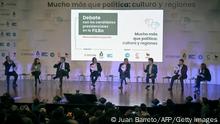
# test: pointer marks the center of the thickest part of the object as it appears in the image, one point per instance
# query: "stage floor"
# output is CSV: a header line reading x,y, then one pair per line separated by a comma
x,y
132,94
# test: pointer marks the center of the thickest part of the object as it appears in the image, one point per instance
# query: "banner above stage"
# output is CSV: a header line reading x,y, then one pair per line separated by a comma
x,y
112,35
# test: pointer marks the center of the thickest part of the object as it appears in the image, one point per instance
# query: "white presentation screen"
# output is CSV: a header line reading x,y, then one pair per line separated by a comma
x,y
112,35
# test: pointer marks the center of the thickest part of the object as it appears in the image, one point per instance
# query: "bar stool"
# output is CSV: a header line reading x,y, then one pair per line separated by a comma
x,y
138,78
50,75
166,77
24,76
110,78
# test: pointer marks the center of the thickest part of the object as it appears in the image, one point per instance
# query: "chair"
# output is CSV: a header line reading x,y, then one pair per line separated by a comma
x,y
191,79
184,82
138,78
50,75
166,78
110,78
204,82
24,76
204,85
81,77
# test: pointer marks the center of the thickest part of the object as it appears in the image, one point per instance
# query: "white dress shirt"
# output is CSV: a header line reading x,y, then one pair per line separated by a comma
x,y
93,67
150,69
123,67
62,66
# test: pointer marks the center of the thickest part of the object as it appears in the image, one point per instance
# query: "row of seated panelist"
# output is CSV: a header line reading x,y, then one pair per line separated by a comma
x,y
110,77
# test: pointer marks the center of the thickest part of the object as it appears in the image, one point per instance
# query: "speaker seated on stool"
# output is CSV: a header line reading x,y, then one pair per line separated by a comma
x,y
80,98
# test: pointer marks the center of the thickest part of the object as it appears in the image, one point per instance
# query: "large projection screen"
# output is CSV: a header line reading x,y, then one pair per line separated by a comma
x,y
112,35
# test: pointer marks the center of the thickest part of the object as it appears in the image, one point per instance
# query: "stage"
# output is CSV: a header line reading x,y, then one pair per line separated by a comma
x,y
132,94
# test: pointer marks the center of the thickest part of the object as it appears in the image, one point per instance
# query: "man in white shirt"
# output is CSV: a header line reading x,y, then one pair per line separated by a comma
x,y
180,73
124,71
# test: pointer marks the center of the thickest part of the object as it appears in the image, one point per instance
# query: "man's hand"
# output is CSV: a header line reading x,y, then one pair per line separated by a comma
x,y
202,75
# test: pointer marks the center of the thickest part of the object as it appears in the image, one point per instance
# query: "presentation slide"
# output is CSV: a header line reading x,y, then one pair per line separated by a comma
x,y
112,35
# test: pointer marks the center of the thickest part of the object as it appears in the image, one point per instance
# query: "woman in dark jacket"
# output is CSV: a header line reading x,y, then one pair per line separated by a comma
x,y
203,75
36,70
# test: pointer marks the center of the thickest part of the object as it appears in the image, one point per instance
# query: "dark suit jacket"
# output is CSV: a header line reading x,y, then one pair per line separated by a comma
x,y
183,71
153,71
127,71
7,66
206,74
99,69
67,67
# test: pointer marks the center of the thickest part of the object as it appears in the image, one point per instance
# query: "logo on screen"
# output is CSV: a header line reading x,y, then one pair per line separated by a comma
x,y
127,55
45,54
109,55
192,56
52,54
37,53
147,55
101,55
137,56
152,23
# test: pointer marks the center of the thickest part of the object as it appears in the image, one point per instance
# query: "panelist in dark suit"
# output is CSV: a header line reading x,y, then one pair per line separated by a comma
x,y
151,72
63,69
180,73
124,71
203,75
95,70
10,68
